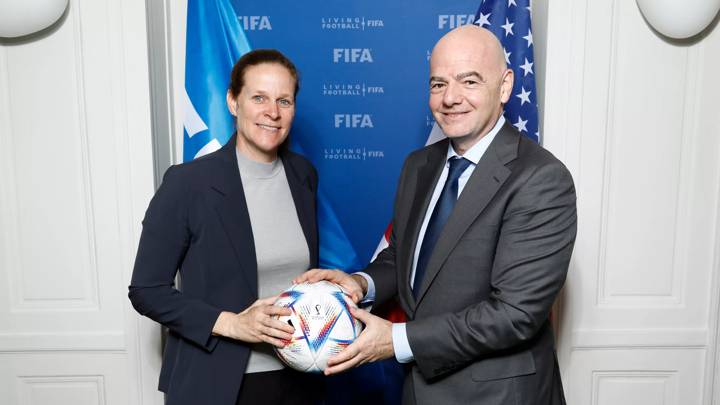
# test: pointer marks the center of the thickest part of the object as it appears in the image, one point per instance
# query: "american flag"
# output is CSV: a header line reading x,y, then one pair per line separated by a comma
x,y
509,20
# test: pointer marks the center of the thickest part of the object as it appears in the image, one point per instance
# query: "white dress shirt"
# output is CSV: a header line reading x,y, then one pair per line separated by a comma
x,y
403,353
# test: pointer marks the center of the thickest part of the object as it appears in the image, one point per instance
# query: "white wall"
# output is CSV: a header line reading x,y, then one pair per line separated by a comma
x,y
634,117
75,178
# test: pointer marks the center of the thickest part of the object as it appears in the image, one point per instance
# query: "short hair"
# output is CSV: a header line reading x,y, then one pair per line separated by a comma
x,y
258,57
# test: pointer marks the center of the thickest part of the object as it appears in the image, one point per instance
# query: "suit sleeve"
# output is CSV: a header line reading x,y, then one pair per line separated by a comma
x,y
531,261
384,273
164,241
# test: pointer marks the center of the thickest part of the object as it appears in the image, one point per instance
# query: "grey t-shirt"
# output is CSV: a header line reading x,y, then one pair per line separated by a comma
x,y
281,249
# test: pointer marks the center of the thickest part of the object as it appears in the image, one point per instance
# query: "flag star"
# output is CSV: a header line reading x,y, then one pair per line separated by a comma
x,y
521,124
483,19
511,3
529,38
508,27
529,7
524,95
507,56
527,68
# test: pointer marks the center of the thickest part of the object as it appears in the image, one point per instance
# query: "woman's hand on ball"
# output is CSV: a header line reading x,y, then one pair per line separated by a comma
x,y
257,323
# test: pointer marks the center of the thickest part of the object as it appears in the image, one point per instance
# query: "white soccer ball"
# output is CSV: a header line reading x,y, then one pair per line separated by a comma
x,y
322,321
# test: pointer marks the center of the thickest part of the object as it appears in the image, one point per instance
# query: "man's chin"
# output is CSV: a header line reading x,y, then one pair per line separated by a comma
x,y
455,135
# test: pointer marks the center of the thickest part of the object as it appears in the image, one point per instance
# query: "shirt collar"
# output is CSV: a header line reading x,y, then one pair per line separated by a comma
x,y
478,150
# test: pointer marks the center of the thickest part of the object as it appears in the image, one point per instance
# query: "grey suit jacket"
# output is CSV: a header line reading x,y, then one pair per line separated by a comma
x,y
479,329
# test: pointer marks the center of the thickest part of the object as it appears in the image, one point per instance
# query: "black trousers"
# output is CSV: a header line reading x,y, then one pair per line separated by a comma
x,y
281,387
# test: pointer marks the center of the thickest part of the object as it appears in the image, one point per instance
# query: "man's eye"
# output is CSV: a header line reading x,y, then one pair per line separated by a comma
x,y
437,85
258,99
470,82
285,102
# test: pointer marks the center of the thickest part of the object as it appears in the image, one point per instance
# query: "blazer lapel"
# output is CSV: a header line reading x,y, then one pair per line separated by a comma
x,y
426,176
304,199
487,178
232,212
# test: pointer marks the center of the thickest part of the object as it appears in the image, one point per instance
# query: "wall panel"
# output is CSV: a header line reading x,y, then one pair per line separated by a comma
x,y
637,321
75,178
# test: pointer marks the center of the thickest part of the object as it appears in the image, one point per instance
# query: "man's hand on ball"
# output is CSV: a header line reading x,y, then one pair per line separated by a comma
x,y
373,344
354,285
256,324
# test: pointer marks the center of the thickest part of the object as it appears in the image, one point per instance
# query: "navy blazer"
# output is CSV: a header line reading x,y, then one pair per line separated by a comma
x,y
198,224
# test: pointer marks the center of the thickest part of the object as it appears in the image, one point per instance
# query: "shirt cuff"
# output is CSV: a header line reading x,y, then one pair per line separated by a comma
x,y
403,353
370,295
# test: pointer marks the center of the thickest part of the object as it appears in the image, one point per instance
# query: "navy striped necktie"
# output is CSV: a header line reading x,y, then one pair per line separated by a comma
x,y
440,215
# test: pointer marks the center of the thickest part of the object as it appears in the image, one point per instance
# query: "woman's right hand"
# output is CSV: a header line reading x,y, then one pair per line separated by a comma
x,y
256,324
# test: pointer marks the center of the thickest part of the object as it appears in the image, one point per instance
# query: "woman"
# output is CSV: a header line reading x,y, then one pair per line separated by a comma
x,y
238,224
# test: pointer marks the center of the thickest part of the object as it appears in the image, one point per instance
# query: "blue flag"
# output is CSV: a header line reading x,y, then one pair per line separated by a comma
x,y
509,20
215,41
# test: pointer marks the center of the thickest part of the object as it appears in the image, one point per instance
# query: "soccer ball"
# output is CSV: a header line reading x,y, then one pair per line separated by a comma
x,y
322,321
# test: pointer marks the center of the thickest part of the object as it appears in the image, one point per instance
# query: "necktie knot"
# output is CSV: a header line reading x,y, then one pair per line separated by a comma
x,y
457,167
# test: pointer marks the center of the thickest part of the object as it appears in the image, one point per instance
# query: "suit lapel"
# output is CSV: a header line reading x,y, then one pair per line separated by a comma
x,y
304,199
232,212
487,178
425,178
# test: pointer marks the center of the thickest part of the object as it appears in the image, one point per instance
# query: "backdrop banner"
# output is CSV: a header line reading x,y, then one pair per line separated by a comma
x,y
361,109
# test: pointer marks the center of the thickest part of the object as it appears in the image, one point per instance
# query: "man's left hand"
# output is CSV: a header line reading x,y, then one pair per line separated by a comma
x,y
373,344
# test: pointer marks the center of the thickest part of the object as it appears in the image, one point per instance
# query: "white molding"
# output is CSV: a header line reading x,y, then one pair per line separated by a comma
x,y
63,382
673,296
51,341
712,368
92,298
565,59
137,181
9,245
668,378
639,338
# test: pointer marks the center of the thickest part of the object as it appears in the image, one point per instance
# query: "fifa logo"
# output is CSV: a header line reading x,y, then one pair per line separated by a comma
x,y
452,21
255,22
353,121
352,55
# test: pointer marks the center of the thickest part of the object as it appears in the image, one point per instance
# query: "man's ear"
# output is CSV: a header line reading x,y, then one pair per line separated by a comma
x,y
231,103
506,85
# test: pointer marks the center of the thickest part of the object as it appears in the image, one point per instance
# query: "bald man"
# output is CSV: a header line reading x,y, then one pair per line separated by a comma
x,y
483,228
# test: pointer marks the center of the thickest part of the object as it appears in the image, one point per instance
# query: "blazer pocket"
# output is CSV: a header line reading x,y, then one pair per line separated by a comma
x,y
496,368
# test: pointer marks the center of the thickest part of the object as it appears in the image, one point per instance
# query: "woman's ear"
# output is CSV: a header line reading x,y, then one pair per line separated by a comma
x,y
231,103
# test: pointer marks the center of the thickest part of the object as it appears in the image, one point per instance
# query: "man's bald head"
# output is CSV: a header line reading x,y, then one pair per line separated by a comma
x,y
473,39
469,83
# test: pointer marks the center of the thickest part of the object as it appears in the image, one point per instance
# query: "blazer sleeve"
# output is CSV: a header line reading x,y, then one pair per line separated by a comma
x,y
164,241
531,261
